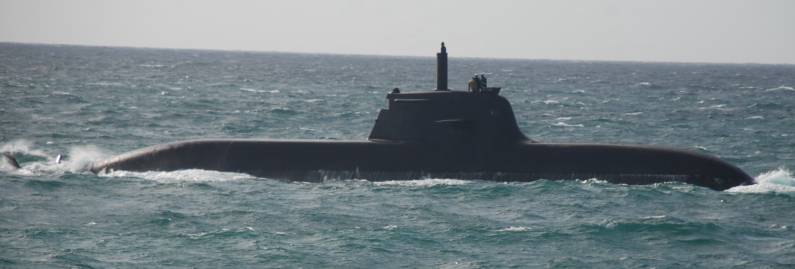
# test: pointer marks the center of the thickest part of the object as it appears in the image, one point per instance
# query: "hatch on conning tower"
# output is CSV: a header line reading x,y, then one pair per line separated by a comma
x,y
444,116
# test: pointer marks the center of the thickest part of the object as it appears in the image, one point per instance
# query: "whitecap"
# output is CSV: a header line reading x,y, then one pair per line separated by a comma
x,y
252,90
187,175
781,88
6,167
720,107
593,181
61,93
633,113
429,182
151,65
563,124
755,118
514,229
778,180
258,90
80,159
23,146
106,84
551,102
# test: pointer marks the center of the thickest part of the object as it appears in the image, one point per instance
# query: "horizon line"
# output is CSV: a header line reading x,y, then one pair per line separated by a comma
x,y
393,55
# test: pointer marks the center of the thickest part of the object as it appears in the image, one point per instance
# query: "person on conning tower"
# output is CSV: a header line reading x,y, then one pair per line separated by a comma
x,y
483,84
474,84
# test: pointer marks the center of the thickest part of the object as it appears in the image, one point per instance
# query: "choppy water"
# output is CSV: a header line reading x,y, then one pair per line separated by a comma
x,y
88,103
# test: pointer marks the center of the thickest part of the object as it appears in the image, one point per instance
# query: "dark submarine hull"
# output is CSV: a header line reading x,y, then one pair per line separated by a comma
x,y
388,160
443,134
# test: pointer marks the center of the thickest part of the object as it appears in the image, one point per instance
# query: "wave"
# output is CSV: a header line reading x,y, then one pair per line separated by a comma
x,y
35,161
187,175
429,182
781,88
647,85
107,84
81,158
23,146
152,65
514,229
563,124
779,180
258,90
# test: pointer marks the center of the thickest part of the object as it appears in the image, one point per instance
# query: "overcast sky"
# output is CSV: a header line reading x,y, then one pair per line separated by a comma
x,y
756,31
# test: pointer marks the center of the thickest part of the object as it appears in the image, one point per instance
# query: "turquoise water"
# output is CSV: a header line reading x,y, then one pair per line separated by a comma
x,y
88,103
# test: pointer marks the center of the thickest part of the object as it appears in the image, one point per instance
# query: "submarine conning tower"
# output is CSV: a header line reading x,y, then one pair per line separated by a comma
x,y
447,117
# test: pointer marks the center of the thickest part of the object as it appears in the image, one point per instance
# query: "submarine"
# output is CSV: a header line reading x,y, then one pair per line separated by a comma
x,y
442,133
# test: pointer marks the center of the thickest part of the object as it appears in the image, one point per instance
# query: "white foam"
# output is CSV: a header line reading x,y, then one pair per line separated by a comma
x,y
258,90
429,182
701,148
23,146
514,229
563,124
151,65
82,157
780,88
593,181
107,84
6,167
779,180
79,159
187,175
390,227
252,90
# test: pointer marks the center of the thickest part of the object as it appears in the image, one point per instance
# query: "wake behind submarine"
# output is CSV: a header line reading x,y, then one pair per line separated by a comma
x,y
443,134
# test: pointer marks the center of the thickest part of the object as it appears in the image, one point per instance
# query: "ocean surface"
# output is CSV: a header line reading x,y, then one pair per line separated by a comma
x,y
89,103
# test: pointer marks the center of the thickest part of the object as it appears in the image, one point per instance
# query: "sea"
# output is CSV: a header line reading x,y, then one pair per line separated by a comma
x,y
90,103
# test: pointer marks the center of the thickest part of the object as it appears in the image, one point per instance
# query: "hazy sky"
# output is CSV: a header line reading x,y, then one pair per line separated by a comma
x,y
759,31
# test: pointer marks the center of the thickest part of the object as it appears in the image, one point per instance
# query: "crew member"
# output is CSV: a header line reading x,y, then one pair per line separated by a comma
x,y
474,84
483,85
